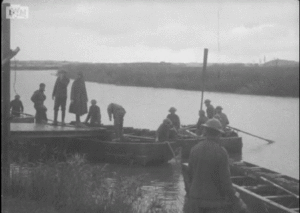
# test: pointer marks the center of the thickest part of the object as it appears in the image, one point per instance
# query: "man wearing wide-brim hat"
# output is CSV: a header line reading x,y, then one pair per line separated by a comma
x,y
209,185
174,118
222,117
210,110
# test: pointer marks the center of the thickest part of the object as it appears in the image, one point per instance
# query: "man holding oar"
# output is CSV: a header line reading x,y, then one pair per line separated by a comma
x,y
163,131
209,187
202,120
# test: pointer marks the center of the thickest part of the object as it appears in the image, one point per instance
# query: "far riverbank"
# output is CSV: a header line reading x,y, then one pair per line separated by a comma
x,y
280,81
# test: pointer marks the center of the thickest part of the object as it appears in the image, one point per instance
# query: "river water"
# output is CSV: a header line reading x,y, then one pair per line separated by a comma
x,y
274,118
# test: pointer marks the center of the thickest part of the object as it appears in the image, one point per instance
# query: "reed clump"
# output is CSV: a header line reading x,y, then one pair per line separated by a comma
x,y
76,186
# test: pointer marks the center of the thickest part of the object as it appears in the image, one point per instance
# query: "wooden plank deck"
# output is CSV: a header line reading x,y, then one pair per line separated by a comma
x,y
33,130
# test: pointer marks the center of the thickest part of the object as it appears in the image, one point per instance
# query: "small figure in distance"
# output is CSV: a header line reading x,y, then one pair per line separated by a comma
x,y
94,114
16,106
118,113
163,131
202,120
60,95
38,99
210,110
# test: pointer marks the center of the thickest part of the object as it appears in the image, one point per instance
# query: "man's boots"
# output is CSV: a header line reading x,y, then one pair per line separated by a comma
x,y
63,114
55,117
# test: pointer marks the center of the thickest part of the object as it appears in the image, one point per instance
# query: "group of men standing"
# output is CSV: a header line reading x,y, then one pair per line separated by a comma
x,y
78,105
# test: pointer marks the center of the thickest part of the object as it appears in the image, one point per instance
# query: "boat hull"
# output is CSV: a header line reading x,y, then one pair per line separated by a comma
x,y
233,145
142,153
258,194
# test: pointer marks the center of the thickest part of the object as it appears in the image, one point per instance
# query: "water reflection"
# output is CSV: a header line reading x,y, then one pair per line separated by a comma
x,y
165,181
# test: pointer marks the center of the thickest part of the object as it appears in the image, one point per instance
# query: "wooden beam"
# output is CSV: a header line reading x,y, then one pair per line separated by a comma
x,y
5,98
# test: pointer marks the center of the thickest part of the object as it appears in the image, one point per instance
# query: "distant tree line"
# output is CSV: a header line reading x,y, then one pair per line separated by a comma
x,y
272,81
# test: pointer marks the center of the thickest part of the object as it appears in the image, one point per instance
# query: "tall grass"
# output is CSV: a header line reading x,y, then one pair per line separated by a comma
x,y
75,186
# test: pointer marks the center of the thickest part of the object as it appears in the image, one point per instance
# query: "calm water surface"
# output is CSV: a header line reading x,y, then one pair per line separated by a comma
x,y
273,118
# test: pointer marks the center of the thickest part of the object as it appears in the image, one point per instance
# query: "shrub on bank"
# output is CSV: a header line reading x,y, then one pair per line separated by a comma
x,y
75,186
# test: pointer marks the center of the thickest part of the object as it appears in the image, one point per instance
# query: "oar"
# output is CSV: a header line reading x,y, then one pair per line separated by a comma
x,y
138,137
269,141
174,156
276,185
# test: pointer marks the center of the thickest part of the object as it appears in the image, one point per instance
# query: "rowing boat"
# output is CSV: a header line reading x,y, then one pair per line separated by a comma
x,y
261,195
142,152
232,143
289,183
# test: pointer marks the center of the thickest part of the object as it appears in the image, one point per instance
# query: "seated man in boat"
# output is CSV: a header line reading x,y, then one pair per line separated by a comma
x,y
164,131
210,110
202,120
174,118
118,113
222,117
209,187
38,99
16,106
94,114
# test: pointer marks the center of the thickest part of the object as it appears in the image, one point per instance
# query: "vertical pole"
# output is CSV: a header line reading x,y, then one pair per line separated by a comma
x,y
203,75
5,99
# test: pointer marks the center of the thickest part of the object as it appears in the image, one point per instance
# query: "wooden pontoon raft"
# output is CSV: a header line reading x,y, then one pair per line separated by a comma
x,y
260,195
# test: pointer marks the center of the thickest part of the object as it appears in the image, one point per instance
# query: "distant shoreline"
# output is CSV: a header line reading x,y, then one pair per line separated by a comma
x,y
281,81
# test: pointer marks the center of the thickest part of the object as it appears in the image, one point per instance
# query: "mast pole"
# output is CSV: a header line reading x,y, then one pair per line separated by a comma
x,y
5,98
203,75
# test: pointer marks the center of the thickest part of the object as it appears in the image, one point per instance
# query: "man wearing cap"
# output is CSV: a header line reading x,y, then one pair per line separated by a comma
x,y
16,106
38,99
174,118
94,114
118,113
59,95
210,110
222,117
202,120
209,185
163,131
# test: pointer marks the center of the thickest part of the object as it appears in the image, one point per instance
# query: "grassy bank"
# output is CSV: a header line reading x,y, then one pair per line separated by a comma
x,y
75,186
272,81
231,78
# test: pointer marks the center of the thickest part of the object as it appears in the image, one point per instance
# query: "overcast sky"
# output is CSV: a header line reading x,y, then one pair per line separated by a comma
x,y
155,31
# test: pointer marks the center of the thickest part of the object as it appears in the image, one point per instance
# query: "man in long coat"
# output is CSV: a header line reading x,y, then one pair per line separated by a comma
x,y
79,98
